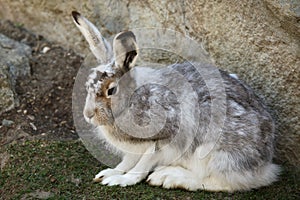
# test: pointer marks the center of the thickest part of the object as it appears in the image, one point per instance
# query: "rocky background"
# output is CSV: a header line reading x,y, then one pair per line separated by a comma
x,y
36,80
257,39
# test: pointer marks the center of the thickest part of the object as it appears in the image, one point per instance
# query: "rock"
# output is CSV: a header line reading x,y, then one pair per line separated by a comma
x,y
6,122
257,40
33,126
46,49
14,63
8,98
15,56
31,117
288,13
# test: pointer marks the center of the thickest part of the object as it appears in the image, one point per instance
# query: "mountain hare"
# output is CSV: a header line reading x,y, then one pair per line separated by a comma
x,y
188,149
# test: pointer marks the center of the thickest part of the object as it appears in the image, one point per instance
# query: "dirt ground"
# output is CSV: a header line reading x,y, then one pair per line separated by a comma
x,y
45,108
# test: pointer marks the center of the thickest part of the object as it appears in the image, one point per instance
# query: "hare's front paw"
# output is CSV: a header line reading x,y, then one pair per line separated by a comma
x,y
121,180
106,173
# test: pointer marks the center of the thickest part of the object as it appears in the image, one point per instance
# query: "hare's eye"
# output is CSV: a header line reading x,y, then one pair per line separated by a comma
x,y
111,91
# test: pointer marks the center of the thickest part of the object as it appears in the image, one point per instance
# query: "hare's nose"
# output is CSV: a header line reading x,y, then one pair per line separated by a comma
x,y
89,114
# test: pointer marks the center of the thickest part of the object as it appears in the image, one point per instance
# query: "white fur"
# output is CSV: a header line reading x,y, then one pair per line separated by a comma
x,y
141,74
138,172
122,146
174,177
193,173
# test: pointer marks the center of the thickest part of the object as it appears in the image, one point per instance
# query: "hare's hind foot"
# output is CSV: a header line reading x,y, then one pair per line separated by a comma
x,y
174,177
178,177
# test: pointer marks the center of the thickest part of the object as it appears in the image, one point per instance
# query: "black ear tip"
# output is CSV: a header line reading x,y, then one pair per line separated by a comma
x,y
76,15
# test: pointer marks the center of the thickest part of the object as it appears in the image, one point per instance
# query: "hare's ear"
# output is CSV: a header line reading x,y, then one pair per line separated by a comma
x,y
98,45
125,50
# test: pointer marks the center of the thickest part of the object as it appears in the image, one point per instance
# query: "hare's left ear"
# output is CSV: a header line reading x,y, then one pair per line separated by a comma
x,y
98,45
125,50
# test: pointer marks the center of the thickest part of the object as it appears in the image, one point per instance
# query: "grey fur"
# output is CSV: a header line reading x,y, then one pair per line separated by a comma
x,y
247,135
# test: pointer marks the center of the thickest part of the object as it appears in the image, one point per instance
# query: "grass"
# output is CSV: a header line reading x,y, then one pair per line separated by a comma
x,y
64,170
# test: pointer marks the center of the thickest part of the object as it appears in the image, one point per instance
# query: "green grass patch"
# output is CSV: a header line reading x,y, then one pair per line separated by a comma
x,y
64,170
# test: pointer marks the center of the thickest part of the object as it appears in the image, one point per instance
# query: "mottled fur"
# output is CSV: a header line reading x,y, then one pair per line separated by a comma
x,y
183,153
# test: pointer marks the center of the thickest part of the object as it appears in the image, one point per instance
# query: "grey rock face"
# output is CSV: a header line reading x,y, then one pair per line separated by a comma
x,y
288,13
14,62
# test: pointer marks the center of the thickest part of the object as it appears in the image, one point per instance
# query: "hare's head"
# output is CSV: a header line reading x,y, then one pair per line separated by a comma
x,y
113,64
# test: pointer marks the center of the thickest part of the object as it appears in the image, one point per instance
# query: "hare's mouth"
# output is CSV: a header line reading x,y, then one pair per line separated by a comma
x,y
89,119
96,120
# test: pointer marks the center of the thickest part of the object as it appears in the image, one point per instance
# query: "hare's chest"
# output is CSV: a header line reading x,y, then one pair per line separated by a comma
x,y
122,145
